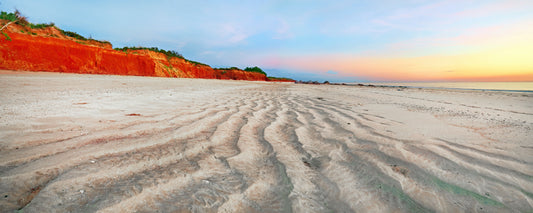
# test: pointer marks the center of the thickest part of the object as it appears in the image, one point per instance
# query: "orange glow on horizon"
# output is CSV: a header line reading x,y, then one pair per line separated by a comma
x,y
509,63
497,53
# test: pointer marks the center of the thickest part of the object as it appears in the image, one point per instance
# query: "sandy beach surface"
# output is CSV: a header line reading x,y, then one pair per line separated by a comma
x,y
85,143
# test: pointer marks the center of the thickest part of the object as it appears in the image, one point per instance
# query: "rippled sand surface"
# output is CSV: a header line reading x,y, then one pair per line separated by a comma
x,y
85,143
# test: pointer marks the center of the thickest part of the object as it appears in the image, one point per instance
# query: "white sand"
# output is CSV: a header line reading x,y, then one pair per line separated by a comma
x,y
84,143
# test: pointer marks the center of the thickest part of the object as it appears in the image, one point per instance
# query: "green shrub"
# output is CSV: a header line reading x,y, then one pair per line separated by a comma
x,y
14,17
196,62
248,69
72,35
41,26
255,69
169,53
8,16
101,41
7,36
78,36
226,68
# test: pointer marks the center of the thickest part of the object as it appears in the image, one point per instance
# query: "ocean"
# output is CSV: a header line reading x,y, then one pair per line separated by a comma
x,y
490,86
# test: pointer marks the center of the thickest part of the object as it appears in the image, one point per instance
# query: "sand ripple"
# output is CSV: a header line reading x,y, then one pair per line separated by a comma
x,y
227,146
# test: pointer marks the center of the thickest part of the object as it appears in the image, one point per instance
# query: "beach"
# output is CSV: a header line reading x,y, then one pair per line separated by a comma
x,y
86,143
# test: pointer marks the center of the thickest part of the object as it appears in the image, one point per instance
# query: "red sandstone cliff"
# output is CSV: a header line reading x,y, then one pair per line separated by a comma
x,y
49,50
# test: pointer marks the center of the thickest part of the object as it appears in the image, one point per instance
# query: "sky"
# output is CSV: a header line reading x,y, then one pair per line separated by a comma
x,y
338,41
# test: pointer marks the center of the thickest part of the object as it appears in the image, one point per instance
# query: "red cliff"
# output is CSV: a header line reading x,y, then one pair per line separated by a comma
x,y
49,50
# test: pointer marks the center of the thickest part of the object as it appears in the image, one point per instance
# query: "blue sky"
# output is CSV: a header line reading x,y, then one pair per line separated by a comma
x,y
307,40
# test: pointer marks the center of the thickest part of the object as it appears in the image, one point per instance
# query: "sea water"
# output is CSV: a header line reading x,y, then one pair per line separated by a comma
x,y
491,86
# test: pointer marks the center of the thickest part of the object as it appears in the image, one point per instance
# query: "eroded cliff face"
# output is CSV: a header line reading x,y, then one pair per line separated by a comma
x,y
49,50
39,53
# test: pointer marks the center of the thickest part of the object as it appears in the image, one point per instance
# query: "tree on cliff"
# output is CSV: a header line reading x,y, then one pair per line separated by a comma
x,y
13,18
21,20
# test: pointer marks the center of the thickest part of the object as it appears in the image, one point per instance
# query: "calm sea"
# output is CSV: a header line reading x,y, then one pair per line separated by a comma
x,y
492,86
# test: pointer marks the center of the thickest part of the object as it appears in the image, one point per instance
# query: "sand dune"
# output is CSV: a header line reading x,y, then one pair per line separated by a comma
x,y
84,143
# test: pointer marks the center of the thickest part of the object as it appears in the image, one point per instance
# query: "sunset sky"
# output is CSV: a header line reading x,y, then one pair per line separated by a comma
x,y
342,41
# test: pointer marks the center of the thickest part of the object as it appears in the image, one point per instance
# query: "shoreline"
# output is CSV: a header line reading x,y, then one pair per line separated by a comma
x,y
406,85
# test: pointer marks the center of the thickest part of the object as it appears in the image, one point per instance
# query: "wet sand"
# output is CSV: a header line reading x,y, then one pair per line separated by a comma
x,y
85,143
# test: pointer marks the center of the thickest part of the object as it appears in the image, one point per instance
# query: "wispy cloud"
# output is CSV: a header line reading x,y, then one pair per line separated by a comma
x,y
283,31
233,33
